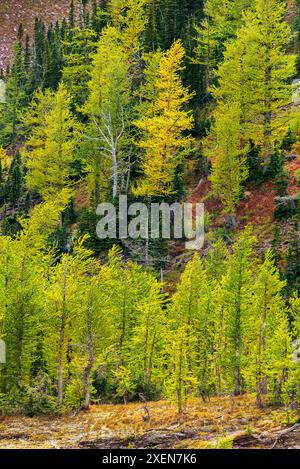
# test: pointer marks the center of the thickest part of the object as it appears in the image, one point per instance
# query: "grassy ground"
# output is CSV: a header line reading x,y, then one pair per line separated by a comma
x,y
220,423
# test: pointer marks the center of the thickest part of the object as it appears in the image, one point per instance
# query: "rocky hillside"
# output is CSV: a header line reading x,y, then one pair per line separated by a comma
x,y
14,12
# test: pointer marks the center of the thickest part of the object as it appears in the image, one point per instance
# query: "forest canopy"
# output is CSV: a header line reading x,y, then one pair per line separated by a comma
x,y
162,101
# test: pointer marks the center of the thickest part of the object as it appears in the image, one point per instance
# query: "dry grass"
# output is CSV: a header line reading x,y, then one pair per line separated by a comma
x,y
215,424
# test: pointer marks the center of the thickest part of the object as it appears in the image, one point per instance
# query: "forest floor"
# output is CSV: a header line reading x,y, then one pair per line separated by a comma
x,y
221,423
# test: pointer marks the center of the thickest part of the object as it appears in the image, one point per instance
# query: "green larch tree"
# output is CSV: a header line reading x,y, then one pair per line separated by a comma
x,y
255,75
266,332
24,264
229,171
236,286
63,306
107,109
164,141
50,150
147,339
184,310
178,379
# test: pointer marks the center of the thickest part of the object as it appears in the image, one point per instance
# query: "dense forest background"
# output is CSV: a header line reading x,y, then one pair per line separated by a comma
x,y
163,101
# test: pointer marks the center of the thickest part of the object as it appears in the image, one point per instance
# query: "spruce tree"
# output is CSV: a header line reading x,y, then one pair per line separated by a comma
x,y
15,182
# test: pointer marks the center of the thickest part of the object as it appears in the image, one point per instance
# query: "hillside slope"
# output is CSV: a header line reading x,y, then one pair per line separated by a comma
x,y
14,12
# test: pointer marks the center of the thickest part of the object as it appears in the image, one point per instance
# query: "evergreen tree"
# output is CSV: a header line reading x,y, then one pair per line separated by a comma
x,y
229,166
50,148
72,16
267,333
255,75
164,125
78,49
24,264
108,109
16,98
15,182
37,69
237,283
63,308
52,59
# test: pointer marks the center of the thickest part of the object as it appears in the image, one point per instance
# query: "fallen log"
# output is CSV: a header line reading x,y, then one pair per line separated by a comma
x,y
284,433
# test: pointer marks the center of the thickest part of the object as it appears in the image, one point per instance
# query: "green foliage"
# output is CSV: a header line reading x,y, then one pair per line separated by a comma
x,y
99,106
50,149
164,124
15,180
225,443
288,140
229,170
107,109
255,76
292,270
76,72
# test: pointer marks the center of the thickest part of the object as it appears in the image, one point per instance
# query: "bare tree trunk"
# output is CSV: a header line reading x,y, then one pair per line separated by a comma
x,y
237,370
90,364
219,355
60,363
146,354
62,339
87,379
261,379
151,359
179,382
115,172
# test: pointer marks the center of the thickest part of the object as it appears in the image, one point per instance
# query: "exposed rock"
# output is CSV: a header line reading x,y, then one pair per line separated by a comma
x,y
151,439
291,157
